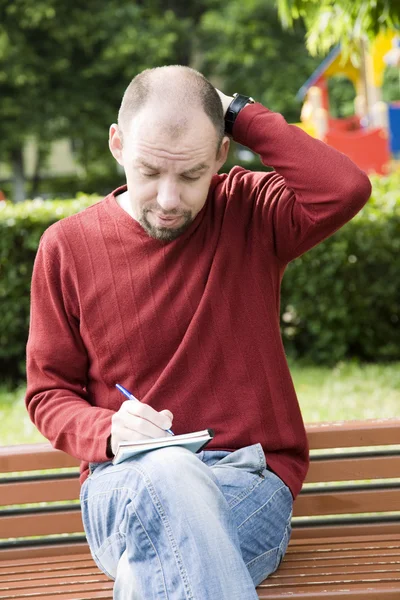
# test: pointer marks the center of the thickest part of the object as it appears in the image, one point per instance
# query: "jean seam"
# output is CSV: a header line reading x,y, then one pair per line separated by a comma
x,y
158,506
155,550
105,547
261,507
285,537
256,558
244,494
261,455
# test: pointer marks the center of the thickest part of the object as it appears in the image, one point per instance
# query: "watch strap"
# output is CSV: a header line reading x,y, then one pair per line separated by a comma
x,y
239,101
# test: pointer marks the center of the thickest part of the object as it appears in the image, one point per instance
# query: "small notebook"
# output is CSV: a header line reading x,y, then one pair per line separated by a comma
x,y
192,441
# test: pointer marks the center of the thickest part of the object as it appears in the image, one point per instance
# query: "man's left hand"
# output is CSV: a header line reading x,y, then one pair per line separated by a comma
x,y
226,100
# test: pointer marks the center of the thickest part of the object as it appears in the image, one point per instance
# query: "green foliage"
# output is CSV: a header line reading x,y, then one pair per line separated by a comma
x,y
64,67
330,22
242,44
391,84
341,97
21,227
341,299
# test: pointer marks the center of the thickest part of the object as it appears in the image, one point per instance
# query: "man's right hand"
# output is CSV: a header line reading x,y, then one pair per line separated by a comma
x,y
137,421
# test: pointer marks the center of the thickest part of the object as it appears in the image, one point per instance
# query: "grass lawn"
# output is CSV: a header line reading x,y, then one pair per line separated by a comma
x,y
347,391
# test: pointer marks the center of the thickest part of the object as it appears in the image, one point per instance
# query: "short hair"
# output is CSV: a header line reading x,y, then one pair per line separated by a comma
x,y
175,84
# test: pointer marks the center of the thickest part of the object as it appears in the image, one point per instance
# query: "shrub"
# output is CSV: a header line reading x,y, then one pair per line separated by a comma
x,y
21,226
341,299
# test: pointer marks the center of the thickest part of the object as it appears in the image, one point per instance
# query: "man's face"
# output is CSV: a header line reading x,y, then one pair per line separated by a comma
x,y
169,163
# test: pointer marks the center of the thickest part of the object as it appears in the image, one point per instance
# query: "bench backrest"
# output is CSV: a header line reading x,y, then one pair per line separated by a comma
x,y
354,471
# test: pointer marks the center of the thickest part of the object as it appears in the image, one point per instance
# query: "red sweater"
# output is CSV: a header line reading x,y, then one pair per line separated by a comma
x,y
191,325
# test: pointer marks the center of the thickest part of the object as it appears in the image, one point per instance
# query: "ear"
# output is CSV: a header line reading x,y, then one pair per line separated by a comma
x,y
115,143
223,152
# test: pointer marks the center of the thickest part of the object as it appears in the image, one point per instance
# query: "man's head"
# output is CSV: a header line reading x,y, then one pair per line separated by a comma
x,y
170,141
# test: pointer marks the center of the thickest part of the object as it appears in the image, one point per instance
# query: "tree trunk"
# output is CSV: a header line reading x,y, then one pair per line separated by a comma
x,y
41,155
17,161
364,78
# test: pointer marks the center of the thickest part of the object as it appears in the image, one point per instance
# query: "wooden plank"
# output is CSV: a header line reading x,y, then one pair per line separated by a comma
x,y
333,541
58,551
322,531
83,595
392,580
386,591
340,503
32,457
21,492
336,569
333,544
46,523
68,591
59,570
350,469
352,434
45,562
344,577
30,580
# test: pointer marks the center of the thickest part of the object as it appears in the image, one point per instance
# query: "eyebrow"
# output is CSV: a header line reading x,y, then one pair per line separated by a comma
x,y
200,167
196,169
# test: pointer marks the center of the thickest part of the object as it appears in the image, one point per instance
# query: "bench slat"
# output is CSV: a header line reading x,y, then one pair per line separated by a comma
x,y
54,551
17,573
39,491
321,471
348,591
64,590
353,434
85,594
33,457
340,503
54,578
46,523
352,470
309,531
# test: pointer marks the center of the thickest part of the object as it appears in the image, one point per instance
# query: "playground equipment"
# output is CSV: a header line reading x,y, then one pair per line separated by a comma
x,y
371,137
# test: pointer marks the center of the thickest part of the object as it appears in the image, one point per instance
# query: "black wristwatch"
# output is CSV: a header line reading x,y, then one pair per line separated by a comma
x,y
234,109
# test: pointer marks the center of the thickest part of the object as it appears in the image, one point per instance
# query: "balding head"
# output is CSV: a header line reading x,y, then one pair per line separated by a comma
x,y
174,93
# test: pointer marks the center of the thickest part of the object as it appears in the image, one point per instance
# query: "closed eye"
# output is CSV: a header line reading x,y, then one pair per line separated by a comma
x,y
187,178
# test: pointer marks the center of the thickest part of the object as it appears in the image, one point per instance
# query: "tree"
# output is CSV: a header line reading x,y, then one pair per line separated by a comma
x,y
349,22
243,45
64,67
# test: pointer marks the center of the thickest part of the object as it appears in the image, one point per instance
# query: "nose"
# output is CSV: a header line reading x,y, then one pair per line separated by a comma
x,y
168,195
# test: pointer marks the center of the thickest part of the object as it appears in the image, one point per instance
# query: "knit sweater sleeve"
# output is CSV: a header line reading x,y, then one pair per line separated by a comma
x,y
56,398
313,191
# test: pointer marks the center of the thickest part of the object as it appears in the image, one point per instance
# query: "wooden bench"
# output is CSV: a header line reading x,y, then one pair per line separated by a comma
x,y
337,549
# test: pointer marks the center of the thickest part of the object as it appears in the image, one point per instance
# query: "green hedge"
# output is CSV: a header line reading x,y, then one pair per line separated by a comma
x,y
340,300
21,226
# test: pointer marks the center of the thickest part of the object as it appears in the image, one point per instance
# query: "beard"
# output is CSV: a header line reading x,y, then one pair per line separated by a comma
x,y
165,234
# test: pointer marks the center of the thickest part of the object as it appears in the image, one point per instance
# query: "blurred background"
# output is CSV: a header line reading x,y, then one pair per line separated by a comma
x,y
331,68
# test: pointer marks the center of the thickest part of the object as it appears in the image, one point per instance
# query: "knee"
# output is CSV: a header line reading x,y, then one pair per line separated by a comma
x,y
173,464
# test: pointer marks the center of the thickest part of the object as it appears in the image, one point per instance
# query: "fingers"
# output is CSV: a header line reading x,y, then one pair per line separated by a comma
x,y
162,419
135,421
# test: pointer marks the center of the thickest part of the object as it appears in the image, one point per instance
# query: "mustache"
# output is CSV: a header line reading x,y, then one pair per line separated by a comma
x,y
174,212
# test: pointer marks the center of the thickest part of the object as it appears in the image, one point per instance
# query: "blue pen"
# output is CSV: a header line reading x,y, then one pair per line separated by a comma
x,y
132,397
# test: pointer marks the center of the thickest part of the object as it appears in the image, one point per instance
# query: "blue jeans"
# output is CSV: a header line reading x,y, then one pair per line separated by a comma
x,y
174,525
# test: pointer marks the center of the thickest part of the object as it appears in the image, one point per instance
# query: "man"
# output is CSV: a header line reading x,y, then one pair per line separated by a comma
x,y
170,286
